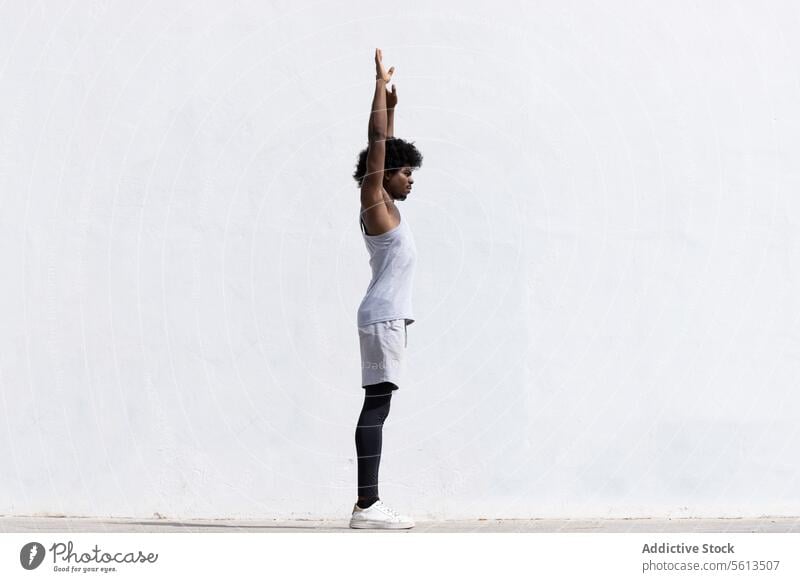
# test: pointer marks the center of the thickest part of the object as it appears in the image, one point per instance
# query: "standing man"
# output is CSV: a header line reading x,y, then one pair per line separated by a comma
x,y
384,175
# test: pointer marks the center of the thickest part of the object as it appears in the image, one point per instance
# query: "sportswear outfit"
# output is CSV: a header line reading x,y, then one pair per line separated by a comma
x,y
384,315
386,309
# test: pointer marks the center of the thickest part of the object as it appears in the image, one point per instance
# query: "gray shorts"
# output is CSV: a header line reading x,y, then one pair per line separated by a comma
x,y
383,351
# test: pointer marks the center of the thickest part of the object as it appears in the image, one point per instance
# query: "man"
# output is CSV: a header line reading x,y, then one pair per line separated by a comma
x,y
384,173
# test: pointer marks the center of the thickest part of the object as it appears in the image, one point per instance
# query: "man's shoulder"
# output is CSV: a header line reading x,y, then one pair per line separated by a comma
x,y
379,218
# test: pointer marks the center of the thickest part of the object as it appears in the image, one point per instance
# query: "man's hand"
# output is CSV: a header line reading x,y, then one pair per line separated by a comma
x,y
391,97
381,73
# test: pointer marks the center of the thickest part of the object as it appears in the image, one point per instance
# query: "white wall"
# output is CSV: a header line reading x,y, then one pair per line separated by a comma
x,y
607,224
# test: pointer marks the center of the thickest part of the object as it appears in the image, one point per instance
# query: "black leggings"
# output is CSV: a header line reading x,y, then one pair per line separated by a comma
x,y
369,433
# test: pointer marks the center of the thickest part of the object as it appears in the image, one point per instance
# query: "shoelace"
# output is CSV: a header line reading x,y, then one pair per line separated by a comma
x,y
389,510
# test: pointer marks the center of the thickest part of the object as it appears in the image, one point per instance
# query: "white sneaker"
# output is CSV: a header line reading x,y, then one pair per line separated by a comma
x,y
379,516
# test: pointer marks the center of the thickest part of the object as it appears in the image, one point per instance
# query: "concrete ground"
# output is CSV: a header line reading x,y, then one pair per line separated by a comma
x,y
121,525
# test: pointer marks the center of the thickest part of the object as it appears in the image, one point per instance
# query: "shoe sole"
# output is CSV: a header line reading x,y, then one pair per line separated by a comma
x,y
379,525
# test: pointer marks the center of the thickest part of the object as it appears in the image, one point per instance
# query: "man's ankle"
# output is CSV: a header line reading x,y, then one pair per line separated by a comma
x,y
365,502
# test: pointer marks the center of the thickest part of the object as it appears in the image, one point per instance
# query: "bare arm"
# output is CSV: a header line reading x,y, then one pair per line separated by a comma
x,y
391,103
374,211
378,117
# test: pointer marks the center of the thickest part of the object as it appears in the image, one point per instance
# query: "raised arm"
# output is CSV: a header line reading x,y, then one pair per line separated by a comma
x,y
391,103
374,211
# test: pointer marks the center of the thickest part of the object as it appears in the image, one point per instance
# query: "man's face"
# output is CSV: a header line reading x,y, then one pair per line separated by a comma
x,y
398,184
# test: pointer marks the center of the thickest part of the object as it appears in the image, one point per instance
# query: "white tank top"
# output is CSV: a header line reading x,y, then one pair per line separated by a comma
x,y
392,256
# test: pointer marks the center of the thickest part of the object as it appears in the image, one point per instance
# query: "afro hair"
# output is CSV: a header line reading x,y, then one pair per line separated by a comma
x,y
399,153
